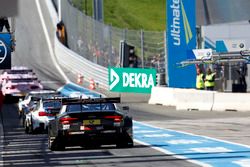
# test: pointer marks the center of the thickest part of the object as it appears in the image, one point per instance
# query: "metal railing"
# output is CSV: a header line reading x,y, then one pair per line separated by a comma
x,y
99,43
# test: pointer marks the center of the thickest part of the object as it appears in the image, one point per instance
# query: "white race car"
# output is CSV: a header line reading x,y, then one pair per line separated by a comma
x,y
45,110
27,104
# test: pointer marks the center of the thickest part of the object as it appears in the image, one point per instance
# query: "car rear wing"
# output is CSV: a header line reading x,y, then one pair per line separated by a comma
x,y
55,98
25,71
67,101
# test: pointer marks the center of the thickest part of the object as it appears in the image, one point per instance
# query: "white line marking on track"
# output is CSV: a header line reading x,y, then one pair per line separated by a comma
x,y
243,163
211,150
146,131
183,141
49,42
136,127
174,154
158,135
228,142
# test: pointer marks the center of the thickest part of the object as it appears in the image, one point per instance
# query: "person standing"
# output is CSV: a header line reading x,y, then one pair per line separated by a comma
x,y
4,22
210,80
200,78
61,33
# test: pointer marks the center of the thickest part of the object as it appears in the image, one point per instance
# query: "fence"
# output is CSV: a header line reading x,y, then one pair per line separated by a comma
x,y
99,43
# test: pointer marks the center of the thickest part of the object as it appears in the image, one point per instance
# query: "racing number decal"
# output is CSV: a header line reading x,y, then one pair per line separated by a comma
x,y
92,122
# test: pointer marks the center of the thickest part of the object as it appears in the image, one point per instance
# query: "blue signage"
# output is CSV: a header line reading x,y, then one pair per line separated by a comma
x,y
5,50
181,37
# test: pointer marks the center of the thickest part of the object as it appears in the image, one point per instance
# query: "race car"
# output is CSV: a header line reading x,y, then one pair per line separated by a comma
x,y
27,104
17,72
18,87
88,123
45,110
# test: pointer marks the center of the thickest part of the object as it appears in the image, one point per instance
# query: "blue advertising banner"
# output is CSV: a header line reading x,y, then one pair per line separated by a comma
x,y
5,51
181,37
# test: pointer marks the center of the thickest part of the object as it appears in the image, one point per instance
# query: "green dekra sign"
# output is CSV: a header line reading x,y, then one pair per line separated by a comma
x,y
135,80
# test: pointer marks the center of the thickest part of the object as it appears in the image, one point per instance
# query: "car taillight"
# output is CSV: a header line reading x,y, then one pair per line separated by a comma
x,y
116,118
42,113
67,120
87,128
11,87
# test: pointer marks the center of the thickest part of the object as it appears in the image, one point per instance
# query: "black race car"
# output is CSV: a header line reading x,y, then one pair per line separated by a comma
x,y
89,123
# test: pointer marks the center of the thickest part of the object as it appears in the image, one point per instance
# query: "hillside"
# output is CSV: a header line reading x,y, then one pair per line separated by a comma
x,y
132,14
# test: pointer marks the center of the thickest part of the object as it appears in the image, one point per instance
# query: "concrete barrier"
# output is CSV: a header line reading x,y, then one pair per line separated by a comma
x,y
183,99
191,99
231,102
163,96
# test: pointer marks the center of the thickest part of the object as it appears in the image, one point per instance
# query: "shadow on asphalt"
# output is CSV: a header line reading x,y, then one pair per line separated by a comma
x,y
22,150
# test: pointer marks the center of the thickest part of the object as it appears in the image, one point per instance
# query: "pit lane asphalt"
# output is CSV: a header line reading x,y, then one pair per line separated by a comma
x,y
1,139
24,150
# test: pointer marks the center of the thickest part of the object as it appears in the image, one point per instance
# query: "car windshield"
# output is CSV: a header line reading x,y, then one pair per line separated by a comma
x,y
52,104
91,107
49,95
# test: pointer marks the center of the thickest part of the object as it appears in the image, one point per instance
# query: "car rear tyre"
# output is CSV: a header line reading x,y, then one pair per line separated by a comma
x,y
55,145
124,144
26,128
91,145
31,130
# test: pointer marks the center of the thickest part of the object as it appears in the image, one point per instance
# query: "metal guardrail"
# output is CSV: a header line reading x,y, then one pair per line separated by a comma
x,y
80,65
99,43
79,57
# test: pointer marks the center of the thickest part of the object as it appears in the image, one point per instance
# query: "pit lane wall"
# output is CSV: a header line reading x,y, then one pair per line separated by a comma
x,y
191,99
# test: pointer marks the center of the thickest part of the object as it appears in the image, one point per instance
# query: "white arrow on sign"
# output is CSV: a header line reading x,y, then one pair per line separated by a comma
x,y
114,78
